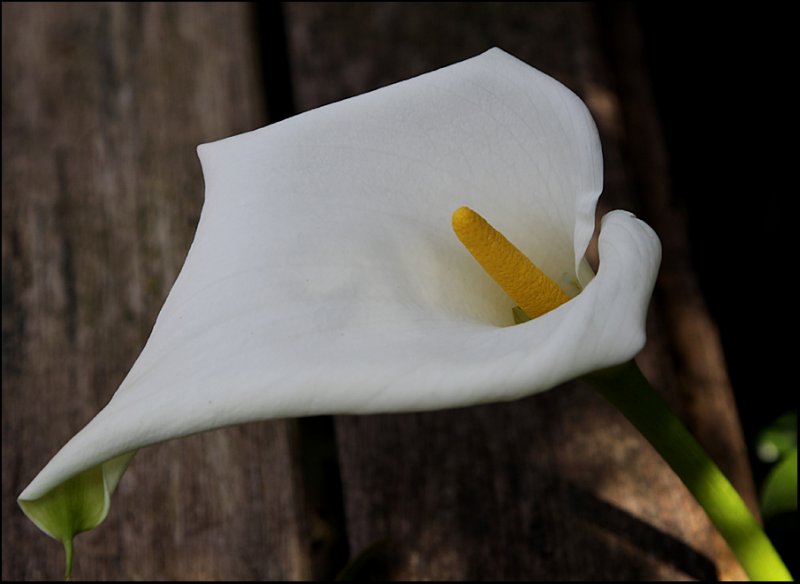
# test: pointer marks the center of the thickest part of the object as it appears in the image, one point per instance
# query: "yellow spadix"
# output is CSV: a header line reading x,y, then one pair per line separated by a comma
x,y
533,290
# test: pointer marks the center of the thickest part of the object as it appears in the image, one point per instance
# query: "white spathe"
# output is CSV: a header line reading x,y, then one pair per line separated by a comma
x,y
324,276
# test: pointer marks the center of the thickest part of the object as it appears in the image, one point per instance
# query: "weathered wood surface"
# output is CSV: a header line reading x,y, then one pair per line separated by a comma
x,y
102,108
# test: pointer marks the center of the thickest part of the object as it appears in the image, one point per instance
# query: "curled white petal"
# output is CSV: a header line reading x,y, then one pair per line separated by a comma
x,y
324,277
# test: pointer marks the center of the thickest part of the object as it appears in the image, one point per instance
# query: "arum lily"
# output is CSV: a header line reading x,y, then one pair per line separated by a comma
x,y
323,277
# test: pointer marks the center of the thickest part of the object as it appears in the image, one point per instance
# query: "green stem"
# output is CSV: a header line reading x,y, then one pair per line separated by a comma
x,y
626,388
69,553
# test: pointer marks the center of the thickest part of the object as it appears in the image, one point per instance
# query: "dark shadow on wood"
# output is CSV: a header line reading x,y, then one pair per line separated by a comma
x,y
723,159
324,500
270,22
498,506
640,535
703,385
320,463
608,532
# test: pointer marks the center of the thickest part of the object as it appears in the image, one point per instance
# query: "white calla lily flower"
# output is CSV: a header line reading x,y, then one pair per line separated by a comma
x,y
324,277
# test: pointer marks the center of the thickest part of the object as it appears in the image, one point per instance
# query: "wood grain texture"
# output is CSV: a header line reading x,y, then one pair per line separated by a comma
x,y
702,383
557,485
103,106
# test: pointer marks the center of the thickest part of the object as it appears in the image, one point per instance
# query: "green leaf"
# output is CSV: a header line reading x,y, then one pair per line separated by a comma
x,y
779,438
779,493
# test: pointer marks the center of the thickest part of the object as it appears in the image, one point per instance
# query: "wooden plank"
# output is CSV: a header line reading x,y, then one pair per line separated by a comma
x,y
701,377
557,485
103,106
700,362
